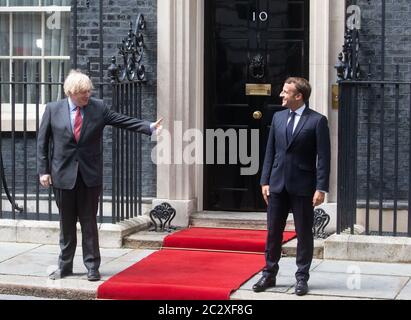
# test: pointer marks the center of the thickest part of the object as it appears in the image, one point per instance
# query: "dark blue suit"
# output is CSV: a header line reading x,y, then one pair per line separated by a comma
x,y
294,171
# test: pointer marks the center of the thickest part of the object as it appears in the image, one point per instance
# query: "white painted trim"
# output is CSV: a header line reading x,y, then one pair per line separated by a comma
x,y
319,54
35,57
199,170
36,9
326,40
6,116
180,98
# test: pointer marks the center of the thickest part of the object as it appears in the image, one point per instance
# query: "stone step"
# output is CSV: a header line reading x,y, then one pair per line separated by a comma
x,y
145,240
215,219
236,220
154,240
243,220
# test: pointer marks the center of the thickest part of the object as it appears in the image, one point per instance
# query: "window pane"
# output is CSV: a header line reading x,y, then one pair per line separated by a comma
x,y
27,34
4,35
31,77
24,2
57,34
58,73
5,76
56,2
3,3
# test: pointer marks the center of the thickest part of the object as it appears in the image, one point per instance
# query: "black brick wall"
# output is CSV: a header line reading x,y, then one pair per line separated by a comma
x,y
116,21
397,50
397,42
117,15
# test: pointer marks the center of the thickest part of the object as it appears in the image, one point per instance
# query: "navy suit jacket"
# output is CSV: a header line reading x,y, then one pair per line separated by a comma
x,y
303,165
68,156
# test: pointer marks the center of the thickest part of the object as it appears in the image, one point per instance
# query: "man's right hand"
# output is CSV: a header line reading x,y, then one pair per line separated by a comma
x,y
265,190
45,180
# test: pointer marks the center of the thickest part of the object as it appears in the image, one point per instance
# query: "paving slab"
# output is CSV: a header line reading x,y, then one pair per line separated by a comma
x,y
135,255
355,285
371,268
284,283
15,297
24,270
288,267
115,266
67,288
10,250
41,264
55,250
285,277
250,295
405,293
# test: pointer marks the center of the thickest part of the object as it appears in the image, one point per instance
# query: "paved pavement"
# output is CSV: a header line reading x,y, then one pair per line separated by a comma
x,y
24,270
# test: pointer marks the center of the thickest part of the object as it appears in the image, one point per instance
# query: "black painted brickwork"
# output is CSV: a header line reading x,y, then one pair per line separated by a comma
x,y
397,50
117,15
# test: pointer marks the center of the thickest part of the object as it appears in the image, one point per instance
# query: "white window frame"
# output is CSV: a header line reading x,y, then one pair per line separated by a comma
x,y
6,111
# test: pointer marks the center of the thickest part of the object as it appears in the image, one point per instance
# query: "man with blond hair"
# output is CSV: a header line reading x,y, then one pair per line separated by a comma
x,y
74,167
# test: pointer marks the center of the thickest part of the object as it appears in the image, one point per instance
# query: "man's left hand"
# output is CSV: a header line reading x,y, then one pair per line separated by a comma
x,y
318,198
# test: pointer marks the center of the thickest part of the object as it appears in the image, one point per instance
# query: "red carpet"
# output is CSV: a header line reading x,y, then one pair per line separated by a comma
x,y
200,274
221,239
183,275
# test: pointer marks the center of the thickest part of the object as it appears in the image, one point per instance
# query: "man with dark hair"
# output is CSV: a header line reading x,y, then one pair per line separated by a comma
x,y
295,178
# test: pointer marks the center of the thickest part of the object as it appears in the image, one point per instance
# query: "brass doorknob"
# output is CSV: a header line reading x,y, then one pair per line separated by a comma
x,y
257,115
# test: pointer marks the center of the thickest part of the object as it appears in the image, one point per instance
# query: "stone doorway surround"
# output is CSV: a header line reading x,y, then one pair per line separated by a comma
x,y
180,69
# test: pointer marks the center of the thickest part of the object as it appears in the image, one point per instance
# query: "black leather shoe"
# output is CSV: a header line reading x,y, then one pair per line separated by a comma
x,y
301,288
59,274
93,275
264,283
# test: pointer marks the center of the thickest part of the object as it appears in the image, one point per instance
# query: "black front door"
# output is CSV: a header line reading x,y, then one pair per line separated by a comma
x,y
252,46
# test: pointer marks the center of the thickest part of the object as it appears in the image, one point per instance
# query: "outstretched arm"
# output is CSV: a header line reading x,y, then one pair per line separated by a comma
x,y
125,122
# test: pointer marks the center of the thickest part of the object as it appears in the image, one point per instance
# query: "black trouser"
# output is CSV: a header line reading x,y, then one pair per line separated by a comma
x,y
82,203
279,205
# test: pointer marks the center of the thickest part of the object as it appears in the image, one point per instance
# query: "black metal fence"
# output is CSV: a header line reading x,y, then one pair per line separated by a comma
x,y
374,157
21,106
126,152
374,134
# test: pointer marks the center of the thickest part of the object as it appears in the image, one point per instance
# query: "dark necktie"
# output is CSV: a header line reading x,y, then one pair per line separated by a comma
x,y
78,121
290,127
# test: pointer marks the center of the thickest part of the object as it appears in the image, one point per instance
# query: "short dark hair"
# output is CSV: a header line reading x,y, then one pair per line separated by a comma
x,y
302,85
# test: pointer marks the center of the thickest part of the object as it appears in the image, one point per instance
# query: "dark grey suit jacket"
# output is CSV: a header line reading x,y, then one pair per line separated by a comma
x,y
86,156
303,165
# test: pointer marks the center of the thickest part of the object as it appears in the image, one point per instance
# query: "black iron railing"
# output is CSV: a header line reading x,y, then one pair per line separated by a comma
x,y
127,80
23,101
374,137
374,157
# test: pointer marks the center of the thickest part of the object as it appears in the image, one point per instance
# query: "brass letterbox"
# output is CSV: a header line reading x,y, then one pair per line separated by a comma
x,y
258,89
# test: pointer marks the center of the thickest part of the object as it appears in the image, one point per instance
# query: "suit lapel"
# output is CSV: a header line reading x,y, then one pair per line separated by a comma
x,y
284,128
300,125
66,117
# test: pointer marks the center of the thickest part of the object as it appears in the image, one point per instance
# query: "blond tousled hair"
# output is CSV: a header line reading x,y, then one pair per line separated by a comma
x,y
76,82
